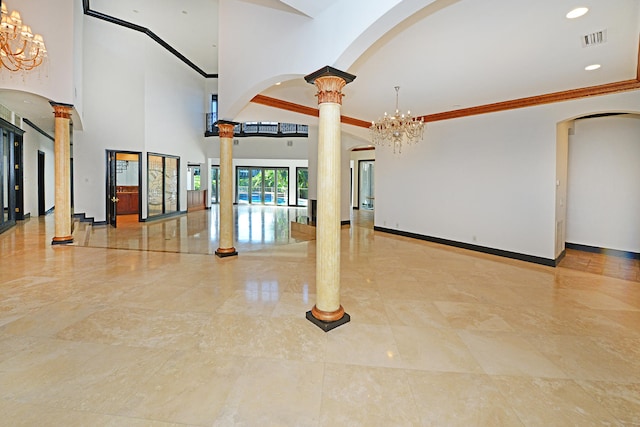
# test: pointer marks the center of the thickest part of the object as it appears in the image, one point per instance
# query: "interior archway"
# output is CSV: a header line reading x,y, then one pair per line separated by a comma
x,y
597,190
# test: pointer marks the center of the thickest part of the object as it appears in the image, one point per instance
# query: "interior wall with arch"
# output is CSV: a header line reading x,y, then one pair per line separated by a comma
x,y
603,182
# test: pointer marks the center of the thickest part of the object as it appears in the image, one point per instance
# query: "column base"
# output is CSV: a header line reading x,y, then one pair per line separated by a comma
x,y
328,325
222,253
62,240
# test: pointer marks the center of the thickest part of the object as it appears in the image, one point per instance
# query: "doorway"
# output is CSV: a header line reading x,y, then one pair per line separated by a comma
x,y
366,184
42,210
215,184
124,175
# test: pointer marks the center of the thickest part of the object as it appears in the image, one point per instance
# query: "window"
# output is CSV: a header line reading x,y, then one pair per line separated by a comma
x,y
193,177
214,108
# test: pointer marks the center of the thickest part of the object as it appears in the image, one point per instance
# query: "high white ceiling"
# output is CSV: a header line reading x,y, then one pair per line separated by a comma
x,y
463,54
474,52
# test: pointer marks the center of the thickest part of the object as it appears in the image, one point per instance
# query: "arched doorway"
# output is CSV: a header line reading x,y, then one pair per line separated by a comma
x,y
598,183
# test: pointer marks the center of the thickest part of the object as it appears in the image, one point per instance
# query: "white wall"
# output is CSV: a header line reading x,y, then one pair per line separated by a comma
x,y
487,180
603,200
263,148
32,142
139,99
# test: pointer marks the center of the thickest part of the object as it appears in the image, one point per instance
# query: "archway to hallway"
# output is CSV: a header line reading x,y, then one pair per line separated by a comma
x,y
362,185
598,193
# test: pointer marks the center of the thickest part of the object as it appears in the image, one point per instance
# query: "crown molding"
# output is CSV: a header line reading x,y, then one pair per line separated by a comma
x,y
113,20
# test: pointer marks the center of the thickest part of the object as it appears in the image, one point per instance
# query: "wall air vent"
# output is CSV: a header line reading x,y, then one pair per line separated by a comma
x,y
593,39
5,113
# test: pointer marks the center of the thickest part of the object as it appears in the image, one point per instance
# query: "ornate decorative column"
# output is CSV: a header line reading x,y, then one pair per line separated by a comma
x,y
226,189
62,173
327,313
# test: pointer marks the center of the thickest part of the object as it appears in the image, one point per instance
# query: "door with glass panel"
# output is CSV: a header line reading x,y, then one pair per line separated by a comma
x,y
269,188
242,184
257,186
302,186
282,187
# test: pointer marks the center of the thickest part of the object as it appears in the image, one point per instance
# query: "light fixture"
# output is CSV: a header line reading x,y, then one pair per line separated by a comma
x,y
20,50
577,12
397,129
592,67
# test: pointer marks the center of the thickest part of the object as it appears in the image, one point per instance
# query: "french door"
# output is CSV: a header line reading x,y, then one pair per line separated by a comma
x,y
262,186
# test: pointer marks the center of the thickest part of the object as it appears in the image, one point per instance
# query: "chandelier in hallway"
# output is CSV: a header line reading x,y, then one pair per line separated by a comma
x,y
20,49
397,129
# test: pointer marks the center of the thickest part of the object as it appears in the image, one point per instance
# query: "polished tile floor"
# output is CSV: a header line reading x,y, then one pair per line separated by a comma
x,y
142,326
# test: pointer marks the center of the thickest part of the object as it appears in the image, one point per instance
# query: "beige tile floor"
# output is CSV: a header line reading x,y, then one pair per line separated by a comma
x,y
162,333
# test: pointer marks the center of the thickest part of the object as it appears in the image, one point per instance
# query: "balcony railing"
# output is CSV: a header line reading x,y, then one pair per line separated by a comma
x,y
266,129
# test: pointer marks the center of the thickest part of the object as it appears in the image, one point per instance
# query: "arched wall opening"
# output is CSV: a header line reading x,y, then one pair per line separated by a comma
x,y
361,166
598,182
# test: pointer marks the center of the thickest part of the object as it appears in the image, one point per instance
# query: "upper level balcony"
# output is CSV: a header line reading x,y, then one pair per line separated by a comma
x,y
265,129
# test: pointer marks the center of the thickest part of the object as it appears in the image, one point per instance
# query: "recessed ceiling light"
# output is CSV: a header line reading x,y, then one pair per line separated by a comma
x,y
577,12
592,67
278,84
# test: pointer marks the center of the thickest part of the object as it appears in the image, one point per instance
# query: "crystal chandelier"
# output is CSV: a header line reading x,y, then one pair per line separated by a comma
x,y
397,129
20,50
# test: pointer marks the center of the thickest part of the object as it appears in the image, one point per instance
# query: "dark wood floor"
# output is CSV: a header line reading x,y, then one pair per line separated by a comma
x,y
603,264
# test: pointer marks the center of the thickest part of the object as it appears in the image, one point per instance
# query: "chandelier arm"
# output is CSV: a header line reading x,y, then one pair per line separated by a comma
x,y
21,50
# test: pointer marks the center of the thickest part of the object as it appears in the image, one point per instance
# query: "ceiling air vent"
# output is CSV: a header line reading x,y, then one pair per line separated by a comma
x,y
593,39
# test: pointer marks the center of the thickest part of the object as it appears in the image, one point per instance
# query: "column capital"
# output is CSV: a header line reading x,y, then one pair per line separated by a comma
x,y
329,82
225,128
61,110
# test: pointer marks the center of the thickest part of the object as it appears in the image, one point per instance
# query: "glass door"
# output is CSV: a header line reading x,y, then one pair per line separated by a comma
x,y
257,186
366,187
242,181
269,194
302,186
215,184
267,186
282,185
